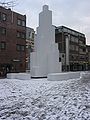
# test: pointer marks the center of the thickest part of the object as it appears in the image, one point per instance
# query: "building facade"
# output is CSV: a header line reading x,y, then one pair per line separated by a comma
x,y
30,33
72,49
12,41
88,56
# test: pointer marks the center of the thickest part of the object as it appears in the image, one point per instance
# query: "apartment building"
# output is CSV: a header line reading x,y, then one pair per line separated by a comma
x,y
88,56
29,45
12,41
72,49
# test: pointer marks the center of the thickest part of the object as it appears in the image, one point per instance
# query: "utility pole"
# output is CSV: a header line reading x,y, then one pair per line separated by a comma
x,y
9,4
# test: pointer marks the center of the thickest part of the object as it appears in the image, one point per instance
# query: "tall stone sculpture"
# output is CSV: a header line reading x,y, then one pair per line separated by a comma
x,y
45,58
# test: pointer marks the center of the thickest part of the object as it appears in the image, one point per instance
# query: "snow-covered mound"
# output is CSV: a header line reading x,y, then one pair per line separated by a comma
x,y
44,100
85,75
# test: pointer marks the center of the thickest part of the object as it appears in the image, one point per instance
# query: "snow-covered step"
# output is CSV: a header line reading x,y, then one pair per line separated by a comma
x,y
85,75
12,75
21,76
63,76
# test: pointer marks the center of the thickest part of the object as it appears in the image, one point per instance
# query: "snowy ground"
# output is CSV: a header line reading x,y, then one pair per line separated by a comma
x,y
44,100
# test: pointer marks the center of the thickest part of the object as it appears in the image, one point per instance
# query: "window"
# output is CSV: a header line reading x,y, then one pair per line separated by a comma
x,y
23,35
18,34
23,23
71,47
20,47
63,55
3,30
76,40
0,15
76,34
33,35
72,39
60,46
65,30
80,50
84,42
84,50
3,45
60,30
82,57
81,42
59,59
19,22
76,48
4,17
69,31
29,34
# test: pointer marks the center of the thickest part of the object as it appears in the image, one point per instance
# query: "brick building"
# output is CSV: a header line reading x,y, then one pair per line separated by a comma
x,y
72,47
12,41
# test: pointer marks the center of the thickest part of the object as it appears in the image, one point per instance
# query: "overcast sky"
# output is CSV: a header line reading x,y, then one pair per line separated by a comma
x,y
71,13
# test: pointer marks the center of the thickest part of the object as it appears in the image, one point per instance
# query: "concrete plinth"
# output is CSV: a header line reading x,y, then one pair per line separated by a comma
x,y
21,76
63,76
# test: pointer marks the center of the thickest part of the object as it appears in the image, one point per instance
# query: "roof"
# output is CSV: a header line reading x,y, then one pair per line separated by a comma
x,y
61,27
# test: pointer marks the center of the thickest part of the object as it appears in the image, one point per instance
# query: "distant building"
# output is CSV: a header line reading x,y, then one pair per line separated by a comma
x,y
88,56
29,45
72,49
12,41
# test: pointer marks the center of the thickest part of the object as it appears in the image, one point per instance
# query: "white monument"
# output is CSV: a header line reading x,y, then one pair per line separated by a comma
x,y
45,58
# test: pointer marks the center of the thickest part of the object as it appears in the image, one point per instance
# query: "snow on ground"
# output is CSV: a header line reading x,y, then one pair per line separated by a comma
x,y
44,100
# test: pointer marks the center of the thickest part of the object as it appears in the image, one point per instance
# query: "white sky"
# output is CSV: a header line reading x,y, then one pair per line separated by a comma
x,y
71,13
